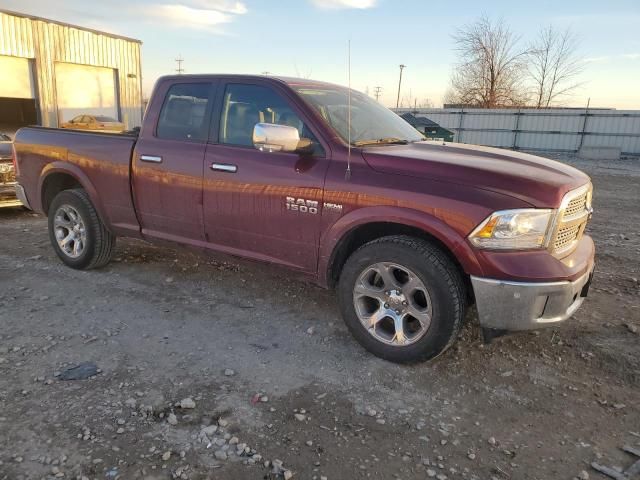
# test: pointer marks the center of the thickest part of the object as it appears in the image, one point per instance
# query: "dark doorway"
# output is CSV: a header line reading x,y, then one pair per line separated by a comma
x,y
16,113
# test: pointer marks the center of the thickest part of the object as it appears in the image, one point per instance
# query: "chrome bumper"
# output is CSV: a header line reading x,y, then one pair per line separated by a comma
x,y
8,195
505,305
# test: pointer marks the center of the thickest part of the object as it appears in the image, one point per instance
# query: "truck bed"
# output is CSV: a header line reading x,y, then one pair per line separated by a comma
x,y
101,161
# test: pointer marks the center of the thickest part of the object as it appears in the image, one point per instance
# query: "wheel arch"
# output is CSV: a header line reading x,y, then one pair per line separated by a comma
x,y
59,176
348,236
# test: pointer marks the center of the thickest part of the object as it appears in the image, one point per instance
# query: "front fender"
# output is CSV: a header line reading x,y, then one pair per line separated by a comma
x,y
77,173
437,228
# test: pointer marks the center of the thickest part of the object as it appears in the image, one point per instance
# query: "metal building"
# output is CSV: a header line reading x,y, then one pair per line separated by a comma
x,y
52,71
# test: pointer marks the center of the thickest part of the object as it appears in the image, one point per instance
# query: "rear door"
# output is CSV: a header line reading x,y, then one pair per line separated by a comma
x,y
259,204
167,162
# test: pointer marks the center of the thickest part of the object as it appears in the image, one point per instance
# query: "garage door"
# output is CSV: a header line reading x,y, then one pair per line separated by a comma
x,y
16,78
82,89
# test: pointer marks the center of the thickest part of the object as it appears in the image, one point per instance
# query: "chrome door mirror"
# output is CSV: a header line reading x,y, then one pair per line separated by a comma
x,y
269,137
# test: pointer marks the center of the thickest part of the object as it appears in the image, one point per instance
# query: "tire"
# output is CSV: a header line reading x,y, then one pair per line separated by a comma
x,y
72,217
413,280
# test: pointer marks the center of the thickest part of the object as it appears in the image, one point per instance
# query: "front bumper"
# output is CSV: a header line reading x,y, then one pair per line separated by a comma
x,y
8,197
506,305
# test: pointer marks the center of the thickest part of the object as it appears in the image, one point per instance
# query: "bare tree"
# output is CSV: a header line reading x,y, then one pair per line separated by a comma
x,y
425,103
306,75
554,66
492,66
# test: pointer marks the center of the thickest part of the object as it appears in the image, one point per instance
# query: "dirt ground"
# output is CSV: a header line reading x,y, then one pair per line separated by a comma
x,y
211,368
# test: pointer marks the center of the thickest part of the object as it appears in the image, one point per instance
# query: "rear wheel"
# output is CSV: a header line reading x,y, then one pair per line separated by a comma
x,y
77,234
402,298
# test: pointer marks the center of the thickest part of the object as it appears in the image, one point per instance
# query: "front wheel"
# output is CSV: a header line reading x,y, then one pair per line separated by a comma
x,y
402,298
77,234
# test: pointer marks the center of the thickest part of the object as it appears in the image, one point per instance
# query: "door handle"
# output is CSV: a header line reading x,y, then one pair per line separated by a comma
x,y
151,158
224,167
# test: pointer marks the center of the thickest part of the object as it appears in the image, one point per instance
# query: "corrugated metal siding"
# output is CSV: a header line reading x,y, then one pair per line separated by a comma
x,y
49,42
563,130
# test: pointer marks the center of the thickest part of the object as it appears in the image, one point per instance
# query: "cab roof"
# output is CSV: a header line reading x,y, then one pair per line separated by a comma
x,y
291,81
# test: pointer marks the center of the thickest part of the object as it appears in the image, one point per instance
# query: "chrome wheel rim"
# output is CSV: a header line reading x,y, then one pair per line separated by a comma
x,y
69,230
393,304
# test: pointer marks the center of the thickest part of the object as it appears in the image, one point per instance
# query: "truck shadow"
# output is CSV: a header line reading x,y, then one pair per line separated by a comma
x,y
13,213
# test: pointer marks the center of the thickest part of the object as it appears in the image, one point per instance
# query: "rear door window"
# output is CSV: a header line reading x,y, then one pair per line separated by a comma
x,y
185,112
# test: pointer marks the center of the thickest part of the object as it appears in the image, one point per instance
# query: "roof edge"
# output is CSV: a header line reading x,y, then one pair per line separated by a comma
x,y
70,25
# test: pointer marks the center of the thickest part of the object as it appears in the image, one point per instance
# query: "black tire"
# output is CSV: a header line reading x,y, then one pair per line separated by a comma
x,y
438,274
99,242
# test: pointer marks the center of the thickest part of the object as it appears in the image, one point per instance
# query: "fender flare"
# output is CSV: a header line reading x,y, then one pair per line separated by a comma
x,y
333,237
77,173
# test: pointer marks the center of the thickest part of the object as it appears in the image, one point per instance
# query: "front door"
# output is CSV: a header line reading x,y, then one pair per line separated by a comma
x,y
167,164
263,205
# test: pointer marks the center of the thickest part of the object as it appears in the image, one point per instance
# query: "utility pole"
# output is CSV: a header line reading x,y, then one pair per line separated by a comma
x,y
376,92
179,61
402,67
265,73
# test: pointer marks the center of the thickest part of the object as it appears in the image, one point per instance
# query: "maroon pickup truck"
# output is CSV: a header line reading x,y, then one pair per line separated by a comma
x,y
335,187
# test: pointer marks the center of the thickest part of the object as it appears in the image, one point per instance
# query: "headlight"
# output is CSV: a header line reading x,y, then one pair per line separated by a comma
x,y
514,230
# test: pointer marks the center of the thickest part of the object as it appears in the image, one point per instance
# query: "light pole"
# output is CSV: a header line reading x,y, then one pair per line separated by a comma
x,y
402,67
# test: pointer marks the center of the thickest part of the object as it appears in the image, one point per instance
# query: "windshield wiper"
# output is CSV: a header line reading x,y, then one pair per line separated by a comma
x,y
381,141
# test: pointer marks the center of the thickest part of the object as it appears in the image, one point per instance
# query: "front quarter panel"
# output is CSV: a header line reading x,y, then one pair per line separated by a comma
x,y
445,211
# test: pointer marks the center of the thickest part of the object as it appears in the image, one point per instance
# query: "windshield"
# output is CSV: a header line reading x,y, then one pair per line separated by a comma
x,y
371,123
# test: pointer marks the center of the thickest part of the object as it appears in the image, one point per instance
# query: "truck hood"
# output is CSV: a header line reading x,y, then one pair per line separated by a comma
x,y
539,181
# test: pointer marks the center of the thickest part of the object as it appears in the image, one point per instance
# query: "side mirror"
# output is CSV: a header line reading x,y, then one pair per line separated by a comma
x,y
270,137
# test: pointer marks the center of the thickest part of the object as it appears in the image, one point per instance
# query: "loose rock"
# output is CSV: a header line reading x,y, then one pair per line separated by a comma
x,y
172,419
187,403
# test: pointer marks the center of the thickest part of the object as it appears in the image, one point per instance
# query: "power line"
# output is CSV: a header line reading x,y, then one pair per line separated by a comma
x,y
179,61
377,91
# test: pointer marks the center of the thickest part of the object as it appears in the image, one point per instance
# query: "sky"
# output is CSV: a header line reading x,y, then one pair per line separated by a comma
x,y
309,38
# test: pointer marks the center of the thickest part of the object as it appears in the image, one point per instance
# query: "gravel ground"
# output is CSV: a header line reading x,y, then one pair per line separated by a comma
x,y
218,369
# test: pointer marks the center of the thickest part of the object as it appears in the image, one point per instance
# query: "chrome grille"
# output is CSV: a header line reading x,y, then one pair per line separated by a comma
x,y
565,236
576,205
7,174
573,216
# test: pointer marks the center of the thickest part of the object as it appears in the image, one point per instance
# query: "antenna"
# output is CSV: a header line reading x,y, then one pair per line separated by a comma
x,y
347,174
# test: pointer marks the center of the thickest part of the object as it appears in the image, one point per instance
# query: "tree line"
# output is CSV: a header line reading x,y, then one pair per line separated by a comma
x,y
496,69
